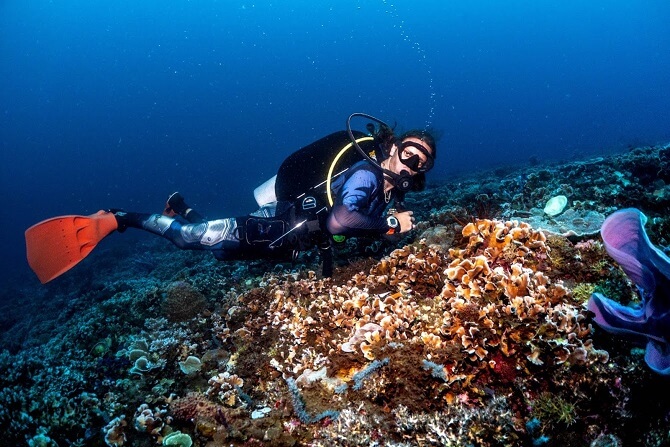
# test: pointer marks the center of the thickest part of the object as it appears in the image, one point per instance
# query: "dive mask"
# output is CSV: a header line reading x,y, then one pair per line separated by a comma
x,y
414,162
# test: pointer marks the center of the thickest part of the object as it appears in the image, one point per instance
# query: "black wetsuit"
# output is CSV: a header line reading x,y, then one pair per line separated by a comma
x,y
281,229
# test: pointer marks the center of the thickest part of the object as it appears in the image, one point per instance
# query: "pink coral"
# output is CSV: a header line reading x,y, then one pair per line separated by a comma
x,y
359,336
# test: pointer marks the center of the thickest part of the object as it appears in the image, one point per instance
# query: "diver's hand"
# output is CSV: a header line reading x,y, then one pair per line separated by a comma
x,y
406,221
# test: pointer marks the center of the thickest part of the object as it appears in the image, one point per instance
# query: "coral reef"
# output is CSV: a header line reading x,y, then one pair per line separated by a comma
x,y
474,332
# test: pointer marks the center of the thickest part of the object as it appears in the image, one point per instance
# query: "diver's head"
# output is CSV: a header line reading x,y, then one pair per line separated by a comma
x,y
410,157
406,159
412,153
416,150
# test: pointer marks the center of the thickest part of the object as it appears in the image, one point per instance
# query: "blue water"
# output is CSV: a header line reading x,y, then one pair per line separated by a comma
x,y
118,103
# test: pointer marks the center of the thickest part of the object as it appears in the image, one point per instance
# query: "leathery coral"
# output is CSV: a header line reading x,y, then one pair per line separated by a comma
x,y
224,387
151,421
497,296
487,301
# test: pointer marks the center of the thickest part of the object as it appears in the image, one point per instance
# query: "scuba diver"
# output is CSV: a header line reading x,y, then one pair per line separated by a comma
x,y
347,184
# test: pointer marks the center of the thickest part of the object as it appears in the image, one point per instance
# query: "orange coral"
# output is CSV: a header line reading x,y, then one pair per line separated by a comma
x,y
487,300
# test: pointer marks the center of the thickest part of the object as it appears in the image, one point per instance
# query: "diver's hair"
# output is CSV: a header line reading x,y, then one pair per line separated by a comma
x,y
422,135
385,138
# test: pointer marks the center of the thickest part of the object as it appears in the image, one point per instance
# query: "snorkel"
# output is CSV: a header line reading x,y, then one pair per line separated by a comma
x,y
403,181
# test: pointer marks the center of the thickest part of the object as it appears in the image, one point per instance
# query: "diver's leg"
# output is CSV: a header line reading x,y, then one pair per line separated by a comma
x,y
326,255
213,235
247,237
176,205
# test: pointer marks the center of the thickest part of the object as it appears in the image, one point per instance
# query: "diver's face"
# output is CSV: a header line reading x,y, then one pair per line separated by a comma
x,y
412,155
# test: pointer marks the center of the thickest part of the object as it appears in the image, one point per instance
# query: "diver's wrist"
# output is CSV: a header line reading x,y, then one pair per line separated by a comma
x,y
393,225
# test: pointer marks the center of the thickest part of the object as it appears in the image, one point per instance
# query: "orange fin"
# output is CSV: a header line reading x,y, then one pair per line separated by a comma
x,y
55,245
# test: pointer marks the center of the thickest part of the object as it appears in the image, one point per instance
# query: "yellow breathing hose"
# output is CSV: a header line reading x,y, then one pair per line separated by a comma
x,y
332,167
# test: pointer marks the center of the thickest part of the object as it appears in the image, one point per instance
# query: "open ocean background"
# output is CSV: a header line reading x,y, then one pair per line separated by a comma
x,y
119,103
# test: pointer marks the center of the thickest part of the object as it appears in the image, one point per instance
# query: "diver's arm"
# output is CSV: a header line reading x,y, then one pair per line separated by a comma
x,y
346,217
351,223
348,222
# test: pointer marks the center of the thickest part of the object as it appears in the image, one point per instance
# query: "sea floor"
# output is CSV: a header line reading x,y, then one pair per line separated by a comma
x,y
471,331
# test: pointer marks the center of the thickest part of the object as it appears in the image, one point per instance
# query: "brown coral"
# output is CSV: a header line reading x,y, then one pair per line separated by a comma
x,y
224,387
192,407
487,312
150,421
182,302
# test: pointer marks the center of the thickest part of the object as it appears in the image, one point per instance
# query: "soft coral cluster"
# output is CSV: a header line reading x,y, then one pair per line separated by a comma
x,y
498,298
486,307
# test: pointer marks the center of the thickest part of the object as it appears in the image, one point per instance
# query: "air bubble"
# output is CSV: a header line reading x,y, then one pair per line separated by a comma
x,y
421,56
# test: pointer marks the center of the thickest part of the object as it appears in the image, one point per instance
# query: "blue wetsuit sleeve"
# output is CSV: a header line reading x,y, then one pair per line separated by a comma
x,y
349,216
